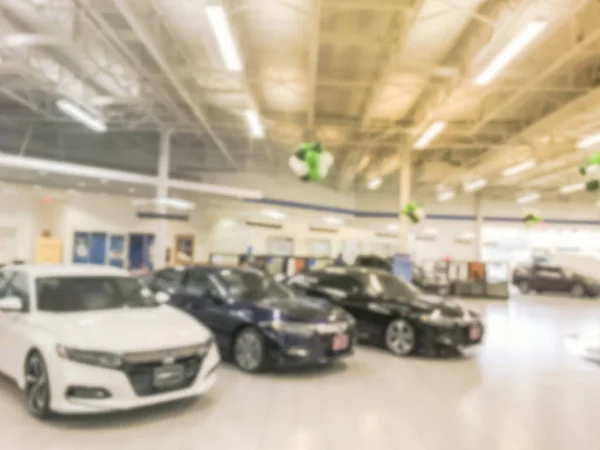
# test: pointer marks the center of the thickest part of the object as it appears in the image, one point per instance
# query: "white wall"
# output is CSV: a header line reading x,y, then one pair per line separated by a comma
x,y
219,225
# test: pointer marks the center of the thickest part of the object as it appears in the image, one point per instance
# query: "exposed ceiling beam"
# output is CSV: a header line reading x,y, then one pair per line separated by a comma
x,y
313,67
370,5
142,31
560,62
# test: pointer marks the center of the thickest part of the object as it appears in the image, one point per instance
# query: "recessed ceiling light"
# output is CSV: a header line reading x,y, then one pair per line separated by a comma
x,y
275,215
519,168
374,183
447,195
570,188
528,198
475,185
393,227
333,220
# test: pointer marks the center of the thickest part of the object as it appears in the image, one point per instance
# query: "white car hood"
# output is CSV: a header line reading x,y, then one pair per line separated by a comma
x,y
124,330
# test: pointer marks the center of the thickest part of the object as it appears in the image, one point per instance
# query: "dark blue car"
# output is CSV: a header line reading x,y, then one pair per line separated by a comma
x,y
258,323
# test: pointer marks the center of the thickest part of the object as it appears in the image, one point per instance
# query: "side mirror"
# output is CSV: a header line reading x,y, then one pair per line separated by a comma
x,y
11,304
162,297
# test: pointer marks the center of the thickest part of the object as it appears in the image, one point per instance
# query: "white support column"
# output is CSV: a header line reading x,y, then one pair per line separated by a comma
x,y
478,235
404,196
162,191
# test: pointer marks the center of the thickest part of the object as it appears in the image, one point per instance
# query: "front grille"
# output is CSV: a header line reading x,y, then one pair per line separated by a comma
x,y
141,376
160,355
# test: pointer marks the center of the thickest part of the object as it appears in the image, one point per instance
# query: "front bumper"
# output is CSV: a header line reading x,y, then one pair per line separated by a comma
x,y
287,351
65,374
457,335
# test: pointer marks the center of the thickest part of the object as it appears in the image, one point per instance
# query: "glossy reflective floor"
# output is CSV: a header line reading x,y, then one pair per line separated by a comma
x,y
522,390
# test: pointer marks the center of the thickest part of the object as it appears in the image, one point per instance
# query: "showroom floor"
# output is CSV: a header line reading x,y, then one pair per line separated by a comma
x,y
521,390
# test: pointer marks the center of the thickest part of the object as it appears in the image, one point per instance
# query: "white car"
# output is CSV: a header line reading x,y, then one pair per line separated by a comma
x,y
88,339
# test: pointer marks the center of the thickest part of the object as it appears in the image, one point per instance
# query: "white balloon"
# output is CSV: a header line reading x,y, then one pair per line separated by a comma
x,y
299,167
326,163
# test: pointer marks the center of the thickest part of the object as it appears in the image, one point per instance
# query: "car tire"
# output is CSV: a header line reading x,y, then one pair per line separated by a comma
x,y
524,287
577,290
249,350
400,337
37,386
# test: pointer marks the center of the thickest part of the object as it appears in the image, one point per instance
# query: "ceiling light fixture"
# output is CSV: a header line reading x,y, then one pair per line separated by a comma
x,y
431,231
588,141
521,41
430,134
374,183
393,227
256,128
333,220
570,188
475,185
519,168
81,115
528,198
220,24
447,195
275,215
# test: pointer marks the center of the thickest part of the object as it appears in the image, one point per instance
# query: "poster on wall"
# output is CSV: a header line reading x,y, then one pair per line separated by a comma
x,y
184,249
116,250
48,251
81,247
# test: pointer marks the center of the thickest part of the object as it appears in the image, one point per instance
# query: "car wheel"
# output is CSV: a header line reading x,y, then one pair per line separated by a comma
x,y
249,351
524,287
400,337
37,386
577,290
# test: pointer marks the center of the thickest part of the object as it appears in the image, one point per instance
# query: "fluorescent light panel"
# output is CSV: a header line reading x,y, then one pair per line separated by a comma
x,y
519,168
275,215
430,134
256,128
374,183
393,227
570,188
447,195
475,185
528,198
521,41
225,40
79,114
333,220
589,141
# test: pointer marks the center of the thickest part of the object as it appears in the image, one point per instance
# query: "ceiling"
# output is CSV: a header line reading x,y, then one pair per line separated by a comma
x,y
367,78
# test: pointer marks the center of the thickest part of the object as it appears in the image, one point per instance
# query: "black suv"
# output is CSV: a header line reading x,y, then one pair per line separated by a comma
x,y
392,312
546,278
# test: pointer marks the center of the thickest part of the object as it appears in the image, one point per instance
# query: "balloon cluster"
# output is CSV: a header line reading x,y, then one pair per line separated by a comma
x,y
532,218
413,211
592,163
310,162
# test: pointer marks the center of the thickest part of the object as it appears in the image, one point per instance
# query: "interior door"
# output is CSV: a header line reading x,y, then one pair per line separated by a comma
x,y
8,245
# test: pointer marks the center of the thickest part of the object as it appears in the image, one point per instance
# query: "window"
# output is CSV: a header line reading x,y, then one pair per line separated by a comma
x,y
167,280
15,284
390,287
549,272
345,283
70,294
198,284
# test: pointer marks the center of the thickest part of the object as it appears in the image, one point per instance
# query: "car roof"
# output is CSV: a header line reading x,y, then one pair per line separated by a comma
x,y
67,270
215,268
353,270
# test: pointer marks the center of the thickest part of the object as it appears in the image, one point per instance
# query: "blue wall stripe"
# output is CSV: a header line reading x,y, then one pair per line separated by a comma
x,y
394,215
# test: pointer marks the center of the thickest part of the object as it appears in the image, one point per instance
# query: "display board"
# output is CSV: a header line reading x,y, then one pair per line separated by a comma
x,y
116,250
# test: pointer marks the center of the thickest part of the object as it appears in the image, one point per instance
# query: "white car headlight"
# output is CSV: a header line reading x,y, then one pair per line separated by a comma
x,y
91,357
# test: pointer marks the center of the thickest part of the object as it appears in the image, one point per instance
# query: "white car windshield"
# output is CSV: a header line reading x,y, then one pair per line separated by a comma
x,y
72,294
